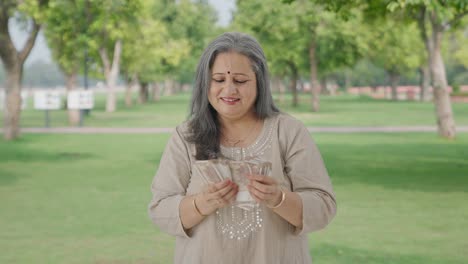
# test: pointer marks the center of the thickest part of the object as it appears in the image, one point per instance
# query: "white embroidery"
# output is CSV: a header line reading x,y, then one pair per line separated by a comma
x,y
255,150
235,222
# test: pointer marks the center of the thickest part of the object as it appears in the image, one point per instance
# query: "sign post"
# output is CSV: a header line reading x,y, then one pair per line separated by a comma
x,y
80,100
47,100
2,100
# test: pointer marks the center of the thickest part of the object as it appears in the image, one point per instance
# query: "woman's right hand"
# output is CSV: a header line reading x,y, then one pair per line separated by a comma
x,y
215,196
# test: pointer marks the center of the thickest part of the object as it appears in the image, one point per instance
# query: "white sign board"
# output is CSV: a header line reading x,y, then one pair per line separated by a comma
x,y
80,99
2,100
24,100
47,100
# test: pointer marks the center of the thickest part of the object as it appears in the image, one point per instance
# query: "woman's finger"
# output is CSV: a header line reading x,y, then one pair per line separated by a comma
x,y
226,198
266,189
214,187
222,184
261,195
219,194
257,199
262,179
231,194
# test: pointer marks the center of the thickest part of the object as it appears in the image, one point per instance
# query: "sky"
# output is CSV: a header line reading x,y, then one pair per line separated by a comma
x,y
42,52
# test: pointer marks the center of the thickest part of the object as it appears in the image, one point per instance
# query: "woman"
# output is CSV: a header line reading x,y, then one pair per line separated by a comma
x,y
233,118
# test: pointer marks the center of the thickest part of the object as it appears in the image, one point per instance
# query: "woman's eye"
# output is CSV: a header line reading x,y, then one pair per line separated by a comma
x,y
218,80
240,81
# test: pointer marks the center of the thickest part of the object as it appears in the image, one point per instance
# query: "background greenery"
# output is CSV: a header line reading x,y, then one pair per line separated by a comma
x,y
343,110
82,199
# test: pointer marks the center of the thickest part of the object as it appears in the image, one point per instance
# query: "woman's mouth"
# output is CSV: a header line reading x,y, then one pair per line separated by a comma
x,y
230,100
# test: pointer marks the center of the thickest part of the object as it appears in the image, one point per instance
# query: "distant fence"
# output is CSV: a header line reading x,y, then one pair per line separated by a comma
x,y
406,93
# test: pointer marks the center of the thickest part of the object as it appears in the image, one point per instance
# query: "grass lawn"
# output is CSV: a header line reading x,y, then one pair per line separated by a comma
x,y
402,198
344,110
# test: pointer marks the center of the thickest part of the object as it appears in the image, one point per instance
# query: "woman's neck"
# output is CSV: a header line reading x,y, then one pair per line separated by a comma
x,y
240,133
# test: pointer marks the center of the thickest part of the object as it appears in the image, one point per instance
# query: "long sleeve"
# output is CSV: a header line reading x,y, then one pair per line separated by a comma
x,y
169,186
309,178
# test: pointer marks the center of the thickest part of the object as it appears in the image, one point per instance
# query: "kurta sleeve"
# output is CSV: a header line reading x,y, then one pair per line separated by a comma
x,y
169,186
309,178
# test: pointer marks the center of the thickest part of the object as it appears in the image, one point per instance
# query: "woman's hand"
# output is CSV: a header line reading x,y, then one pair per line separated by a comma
x,y
215,196
264,189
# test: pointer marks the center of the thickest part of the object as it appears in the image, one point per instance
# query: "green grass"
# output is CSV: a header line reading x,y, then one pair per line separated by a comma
x,y
82,199
343,110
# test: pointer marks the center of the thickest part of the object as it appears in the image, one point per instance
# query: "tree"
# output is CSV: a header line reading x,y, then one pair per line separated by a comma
x,y
65,32
303,37
13,59
395,47
277,28
157,47
191,23
435,18
109,24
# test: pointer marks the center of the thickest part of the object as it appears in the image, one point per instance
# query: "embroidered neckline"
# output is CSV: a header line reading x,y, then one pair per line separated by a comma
x,y
254,150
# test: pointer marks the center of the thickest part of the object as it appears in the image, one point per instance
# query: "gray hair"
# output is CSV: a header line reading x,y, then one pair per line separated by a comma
x,y
203,121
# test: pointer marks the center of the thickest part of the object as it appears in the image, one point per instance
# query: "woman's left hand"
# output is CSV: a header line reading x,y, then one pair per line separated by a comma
x,y
264,189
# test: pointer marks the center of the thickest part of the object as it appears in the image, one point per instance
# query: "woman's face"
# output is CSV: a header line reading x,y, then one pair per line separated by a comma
x,y
233,88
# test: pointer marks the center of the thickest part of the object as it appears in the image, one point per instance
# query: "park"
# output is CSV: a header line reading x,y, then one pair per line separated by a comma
x,y
75,180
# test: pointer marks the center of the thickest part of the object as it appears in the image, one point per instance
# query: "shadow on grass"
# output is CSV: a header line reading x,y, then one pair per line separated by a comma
x,y
7,177
327,253
20,151
407,166
11,152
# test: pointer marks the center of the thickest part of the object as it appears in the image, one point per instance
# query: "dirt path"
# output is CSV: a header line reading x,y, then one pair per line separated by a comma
x,y
139,130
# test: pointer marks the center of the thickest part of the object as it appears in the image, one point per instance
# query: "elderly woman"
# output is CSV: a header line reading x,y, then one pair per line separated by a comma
x,y
233,119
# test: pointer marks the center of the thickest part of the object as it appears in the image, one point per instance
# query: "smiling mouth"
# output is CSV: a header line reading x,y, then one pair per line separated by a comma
x,y
230,100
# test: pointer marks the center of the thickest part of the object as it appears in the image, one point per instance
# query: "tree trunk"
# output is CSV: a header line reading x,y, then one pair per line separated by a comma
x,y
443,105
128,95
144,93
347,82
293,83
279,88
394,80
323,85
129,90
177,87
274,85
73,114
333,87
168,87
314,82
156,92
12,110
111,71
13,61
283,89
424,82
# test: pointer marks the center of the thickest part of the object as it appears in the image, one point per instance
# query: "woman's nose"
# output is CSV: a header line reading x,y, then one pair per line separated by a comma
x,y
230,87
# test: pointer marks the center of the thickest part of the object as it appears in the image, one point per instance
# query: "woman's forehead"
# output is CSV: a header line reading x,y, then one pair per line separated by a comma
x,y
232,63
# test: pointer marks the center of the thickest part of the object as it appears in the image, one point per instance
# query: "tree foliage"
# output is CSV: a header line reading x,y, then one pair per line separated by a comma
x,y
396,47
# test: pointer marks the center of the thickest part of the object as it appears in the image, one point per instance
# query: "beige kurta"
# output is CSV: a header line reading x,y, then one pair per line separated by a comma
x,y
296,164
